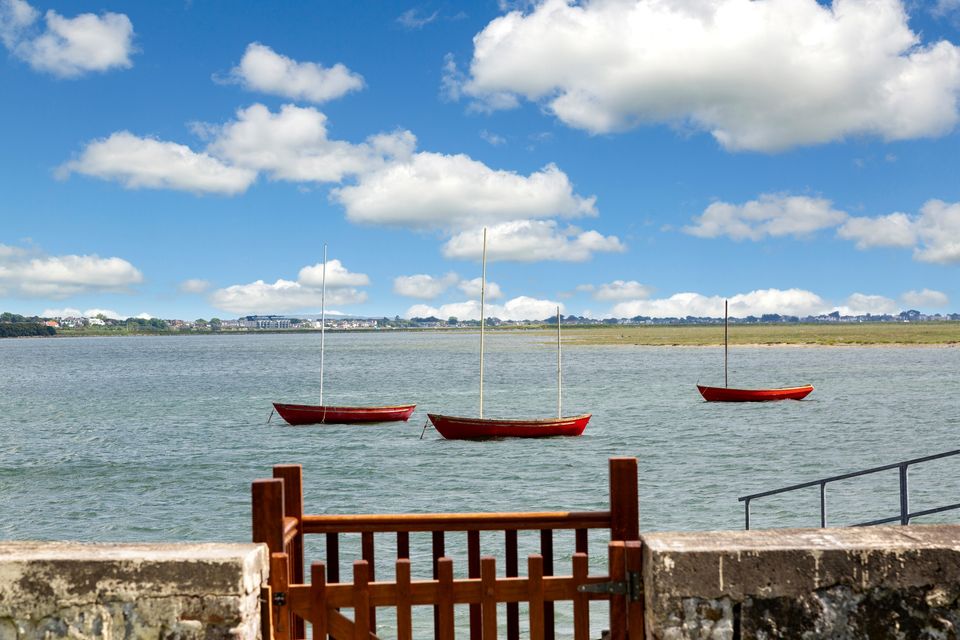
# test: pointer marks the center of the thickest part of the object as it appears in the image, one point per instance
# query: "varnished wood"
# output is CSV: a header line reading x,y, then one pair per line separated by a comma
x,y
404,614
266,613
267,497
280,581
456,521
634,563
618,603
403,544
513,611
445,598
624,502
439,551
546,550
488,597
535,595
581,603
582,541
333,558
292,476
473,571
318,605
361,600
367,553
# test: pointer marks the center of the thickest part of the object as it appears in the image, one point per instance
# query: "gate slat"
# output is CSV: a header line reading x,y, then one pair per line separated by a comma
x,y
361,600
488,579
445,598
438,552
318,603
618,603
473,571
581,602
333,557
404,614
582,540
634,561
513,610
367,553
546,550
403,544
535,595
280,581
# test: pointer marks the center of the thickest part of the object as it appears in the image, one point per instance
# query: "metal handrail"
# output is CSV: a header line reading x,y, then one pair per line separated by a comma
x,y
905,514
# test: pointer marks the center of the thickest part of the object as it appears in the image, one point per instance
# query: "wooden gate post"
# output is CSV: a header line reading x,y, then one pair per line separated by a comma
x,y
624,500
292,476
267,512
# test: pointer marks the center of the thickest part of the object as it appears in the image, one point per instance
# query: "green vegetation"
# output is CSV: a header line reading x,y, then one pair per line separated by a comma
x,y
22,329
880,333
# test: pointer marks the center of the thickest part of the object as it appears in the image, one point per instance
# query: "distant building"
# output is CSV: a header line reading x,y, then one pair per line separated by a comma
x,y
264,322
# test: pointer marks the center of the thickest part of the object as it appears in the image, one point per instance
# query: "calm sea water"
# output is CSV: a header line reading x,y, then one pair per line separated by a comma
x,y
158,438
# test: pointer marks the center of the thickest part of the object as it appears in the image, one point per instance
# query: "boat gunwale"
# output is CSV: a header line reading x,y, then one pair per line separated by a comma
x,y
327,407
799,388
509,421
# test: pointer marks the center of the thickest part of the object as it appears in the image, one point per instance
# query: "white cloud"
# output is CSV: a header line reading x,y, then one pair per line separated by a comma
x,y
292,145
860,304
531,241
31,273
925,298
620,290
471,288
66,312
492,138
433,190
68,47
287,295
337,276
934,233
413,19
280,297
262,69
770,215
756,75
145,316
894,230
793,302
139,162
519,308
194,285
106,313
423,286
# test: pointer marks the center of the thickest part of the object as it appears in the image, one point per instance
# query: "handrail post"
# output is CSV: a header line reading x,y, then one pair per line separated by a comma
x,y
823,505
904,496
267,499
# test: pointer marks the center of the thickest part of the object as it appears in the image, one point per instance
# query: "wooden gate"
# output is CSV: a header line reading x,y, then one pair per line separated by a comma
x,y
290,601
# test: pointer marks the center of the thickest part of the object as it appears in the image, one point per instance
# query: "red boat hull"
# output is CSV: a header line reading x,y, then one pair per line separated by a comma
x,y
454,428
725,394
323,414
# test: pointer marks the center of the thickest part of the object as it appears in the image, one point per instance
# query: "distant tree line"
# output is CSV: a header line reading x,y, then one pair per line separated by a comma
x,y
21,329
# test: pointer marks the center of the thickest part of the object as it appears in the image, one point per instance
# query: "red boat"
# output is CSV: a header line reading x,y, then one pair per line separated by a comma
x,y
325,414
453,428
726,394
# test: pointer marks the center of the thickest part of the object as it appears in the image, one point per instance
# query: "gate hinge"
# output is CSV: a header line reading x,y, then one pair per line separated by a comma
x,y
632,587
279,599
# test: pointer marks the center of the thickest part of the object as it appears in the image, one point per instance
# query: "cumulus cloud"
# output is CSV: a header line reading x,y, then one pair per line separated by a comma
x,y
770,215
287,295
31,273
423,286
471,288
861,304
337,276
793,302
619,290
531,241
934,234
760,76
194,285
433,190
519,308
264,70
139,162
66,47
414,19
925,298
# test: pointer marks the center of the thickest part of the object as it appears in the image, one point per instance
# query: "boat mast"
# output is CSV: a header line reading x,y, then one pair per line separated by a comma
x,y
483,287
323,316
559,371
726,322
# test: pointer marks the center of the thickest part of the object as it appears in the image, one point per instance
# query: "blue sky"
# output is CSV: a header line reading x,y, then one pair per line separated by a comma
x,y
190,159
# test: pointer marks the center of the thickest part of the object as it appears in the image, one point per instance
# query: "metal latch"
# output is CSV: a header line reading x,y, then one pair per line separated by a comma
x,y
632,587
279,599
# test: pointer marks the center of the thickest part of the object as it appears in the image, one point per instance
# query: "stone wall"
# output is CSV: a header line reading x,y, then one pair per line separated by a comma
x,y
112,591
870,583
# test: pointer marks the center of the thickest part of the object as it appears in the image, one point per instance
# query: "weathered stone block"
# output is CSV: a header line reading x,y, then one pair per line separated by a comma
x,y
162,591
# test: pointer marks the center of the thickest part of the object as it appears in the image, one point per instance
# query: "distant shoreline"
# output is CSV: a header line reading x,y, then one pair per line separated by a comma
x,y
932,334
